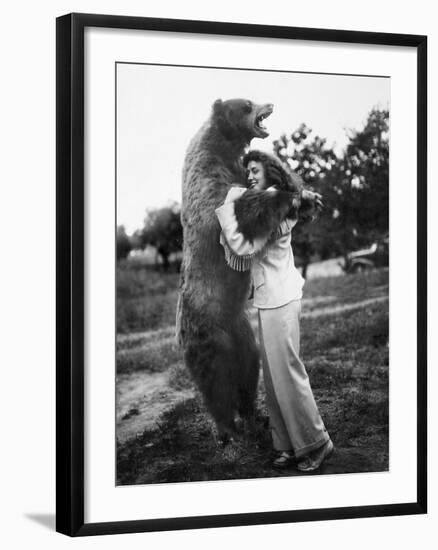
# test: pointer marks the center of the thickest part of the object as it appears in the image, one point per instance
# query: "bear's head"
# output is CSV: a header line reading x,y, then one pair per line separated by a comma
x,y
241,119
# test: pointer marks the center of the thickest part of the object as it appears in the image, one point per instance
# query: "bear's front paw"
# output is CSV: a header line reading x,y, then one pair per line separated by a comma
x,y
311,204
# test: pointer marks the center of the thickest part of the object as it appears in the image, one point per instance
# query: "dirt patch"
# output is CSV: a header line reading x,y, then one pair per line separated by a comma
x,y
344,307
327,268
141,399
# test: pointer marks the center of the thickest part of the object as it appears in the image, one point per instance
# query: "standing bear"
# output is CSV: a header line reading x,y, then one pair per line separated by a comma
x,y
217,340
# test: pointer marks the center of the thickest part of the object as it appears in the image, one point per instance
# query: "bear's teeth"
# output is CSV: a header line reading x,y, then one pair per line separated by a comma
x,y
260,120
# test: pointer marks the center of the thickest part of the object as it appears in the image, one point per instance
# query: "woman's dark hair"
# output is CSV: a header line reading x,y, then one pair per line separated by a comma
x,y
276,173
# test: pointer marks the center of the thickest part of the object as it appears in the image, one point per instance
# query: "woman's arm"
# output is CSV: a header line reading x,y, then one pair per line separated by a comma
x,y
238,243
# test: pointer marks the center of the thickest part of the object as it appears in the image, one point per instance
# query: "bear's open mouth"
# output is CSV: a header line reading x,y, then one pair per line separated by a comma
x,y
265,111
259,121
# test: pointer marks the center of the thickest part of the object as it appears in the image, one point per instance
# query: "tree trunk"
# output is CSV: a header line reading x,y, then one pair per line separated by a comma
x,y
165,261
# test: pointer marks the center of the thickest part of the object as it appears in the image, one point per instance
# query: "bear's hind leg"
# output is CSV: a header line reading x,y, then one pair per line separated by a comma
x,y
213,362
222,396
248,374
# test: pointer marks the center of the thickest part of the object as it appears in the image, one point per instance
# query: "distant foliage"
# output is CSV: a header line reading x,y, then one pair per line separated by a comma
x,y
354,185
314,161
366,169
162,229
124,245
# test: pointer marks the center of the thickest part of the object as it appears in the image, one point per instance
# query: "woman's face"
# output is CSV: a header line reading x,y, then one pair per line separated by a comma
x,y
255,175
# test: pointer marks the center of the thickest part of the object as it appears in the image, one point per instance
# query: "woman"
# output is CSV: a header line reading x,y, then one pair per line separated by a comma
x,y
296,425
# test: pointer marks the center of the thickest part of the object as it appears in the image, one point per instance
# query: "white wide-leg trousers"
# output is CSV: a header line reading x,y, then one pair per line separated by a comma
x,y
294,419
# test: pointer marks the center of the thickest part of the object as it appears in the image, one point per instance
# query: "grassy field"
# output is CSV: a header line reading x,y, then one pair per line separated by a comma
x,y
163,431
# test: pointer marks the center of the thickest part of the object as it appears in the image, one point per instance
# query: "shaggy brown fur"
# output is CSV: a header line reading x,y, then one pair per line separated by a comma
x,y
258,211
217,340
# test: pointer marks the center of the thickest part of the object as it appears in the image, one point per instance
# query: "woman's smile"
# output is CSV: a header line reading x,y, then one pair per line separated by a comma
x,y
255,174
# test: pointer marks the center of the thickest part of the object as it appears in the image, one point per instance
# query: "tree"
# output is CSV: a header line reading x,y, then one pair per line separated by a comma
x,y
163,230
361,182
123,242
367,164
313,160
354,187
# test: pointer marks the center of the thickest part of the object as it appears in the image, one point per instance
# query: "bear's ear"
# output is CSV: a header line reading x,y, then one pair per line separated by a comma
x,y
217,106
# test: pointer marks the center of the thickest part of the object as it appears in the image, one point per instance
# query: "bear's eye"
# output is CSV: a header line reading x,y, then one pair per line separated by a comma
x,y
248,107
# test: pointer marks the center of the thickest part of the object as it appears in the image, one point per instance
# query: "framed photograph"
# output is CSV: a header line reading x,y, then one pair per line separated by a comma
x,y
241,274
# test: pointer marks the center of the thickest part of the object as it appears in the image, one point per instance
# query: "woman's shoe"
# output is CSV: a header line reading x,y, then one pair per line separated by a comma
x,y
310,464
283,460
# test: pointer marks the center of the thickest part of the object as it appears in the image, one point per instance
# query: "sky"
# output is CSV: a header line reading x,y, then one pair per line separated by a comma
x,y
160,108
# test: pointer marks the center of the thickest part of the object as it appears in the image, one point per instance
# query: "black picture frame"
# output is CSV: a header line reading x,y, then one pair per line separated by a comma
x,y
70,273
